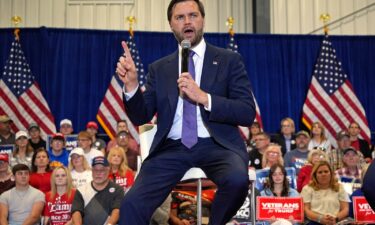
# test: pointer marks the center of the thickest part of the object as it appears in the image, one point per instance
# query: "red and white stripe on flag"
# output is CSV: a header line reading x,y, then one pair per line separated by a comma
x,y
331,98
20,95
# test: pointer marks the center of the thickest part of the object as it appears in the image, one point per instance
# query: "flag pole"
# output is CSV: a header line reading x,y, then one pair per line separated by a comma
x,y
229,23
131,20
325,18
16,20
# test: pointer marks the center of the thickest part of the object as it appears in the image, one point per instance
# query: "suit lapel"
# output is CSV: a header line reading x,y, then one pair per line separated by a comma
x,y
171,81
210,66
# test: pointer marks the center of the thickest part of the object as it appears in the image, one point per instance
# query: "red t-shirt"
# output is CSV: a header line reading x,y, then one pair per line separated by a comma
x,y
125,182
59,208
41,181
355,145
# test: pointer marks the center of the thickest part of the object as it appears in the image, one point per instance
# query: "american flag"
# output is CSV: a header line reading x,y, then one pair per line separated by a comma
x,y
245,131
112,109
331,98
20,95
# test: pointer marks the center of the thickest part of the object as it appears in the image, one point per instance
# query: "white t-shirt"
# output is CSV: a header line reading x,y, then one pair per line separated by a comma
x,y
82,178
92,154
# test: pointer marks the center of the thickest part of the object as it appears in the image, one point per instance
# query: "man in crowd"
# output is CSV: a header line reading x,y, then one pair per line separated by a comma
x,y
85,142
286,139
66,127
22,204
298,157
36,141
97,202
6,136
132,145
122,140
58,156
262,140
358,143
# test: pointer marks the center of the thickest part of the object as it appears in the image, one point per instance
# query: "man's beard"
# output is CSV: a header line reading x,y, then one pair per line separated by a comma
x,y
197,38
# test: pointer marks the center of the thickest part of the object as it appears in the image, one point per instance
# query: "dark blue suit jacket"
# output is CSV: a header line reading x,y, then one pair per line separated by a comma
x,y
223,76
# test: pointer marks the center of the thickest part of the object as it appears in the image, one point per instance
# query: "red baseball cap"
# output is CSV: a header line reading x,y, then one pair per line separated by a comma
x,y
4,157
92,124
58,136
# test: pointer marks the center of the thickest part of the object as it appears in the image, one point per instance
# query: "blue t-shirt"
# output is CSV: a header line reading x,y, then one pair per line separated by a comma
x,y
56,161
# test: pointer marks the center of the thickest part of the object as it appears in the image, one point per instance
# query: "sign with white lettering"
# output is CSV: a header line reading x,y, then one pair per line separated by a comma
x,y
280,208
363,212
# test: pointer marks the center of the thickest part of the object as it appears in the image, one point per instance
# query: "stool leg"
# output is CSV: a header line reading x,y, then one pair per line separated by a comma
x,y
199,202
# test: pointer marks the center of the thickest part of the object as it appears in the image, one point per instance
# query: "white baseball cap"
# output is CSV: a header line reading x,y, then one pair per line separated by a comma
x,y
78,151
21,133
66,121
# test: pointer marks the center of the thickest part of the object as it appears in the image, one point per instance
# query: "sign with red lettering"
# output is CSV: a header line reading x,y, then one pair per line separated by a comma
x,y
362,210
280,208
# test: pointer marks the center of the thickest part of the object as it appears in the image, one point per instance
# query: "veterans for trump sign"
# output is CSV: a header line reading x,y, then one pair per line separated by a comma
x,y
363,212
280,208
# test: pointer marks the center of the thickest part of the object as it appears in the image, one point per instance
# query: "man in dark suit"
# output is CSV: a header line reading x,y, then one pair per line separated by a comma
x,y
221,100
359,144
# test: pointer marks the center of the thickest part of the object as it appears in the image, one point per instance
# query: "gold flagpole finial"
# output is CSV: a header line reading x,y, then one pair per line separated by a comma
x,y
325,18
131,20
229,23
16,20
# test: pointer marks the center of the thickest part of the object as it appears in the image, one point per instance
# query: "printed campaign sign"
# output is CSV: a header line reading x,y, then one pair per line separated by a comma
x,y
6,149
363,212
71,141
280,208
263,174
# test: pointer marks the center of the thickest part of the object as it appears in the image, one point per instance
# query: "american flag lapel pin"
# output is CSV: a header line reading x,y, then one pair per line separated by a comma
x,y
214,62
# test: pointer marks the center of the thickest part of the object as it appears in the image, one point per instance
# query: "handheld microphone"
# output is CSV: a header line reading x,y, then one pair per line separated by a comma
x,y
185,44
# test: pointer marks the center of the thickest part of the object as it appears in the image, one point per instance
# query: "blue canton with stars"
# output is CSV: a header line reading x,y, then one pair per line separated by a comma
x,y
328,70
17,75
232,45
137,60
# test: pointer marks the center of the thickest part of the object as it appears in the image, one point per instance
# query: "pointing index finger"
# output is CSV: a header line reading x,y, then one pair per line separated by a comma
x,y
126,49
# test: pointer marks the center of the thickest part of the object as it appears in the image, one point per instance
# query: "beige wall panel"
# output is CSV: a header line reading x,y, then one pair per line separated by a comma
x,y
6,13
371,23
211,19
279,9
116,15
73,16
157,13
347,25
334,10
32,13
360,19
86,16
306,16
101,16
59,13
45,13
293,17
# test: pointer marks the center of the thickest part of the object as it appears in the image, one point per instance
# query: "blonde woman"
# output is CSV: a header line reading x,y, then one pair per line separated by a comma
x,y
304,175
318,138
79,168
57,210
23,151
119,172
272,156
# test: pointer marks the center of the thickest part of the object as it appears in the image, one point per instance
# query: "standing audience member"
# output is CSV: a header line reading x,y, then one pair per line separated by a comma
x,y
85,142
119,171
22,204
6,176
97,143
297,158
304,175
23,152
319,139
6,136
286,138
58,156
57,210
262,140
99,201
40,177
36,141
272,156
66,127
325,200
122,140
79,168
358,143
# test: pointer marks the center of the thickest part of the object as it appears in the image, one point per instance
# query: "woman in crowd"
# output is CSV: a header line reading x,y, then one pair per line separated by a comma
x,y
40,177
120,172
23,151
304,175
325,200
79,168
57,210
254,130
318,138
272,156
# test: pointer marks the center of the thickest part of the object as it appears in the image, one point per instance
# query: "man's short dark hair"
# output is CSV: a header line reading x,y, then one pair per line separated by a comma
x,y
174,2
19,167
264,134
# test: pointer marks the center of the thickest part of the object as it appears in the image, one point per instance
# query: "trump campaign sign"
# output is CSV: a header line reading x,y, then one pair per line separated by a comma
x,y
280,208
362,210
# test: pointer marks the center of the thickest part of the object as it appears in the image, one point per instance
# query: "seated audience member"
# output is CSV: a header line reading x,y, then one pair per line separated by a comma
x,y
122,140
254,130
85,142
58,156
97,143
297,158
79,168
6,135
304,175
36,141
277,185
66,127
23,152
22,204
272,156
57,210
132,145
262,140
319,139
184,206
286,138
325,200
357,193
40,177
99,201
6,176
161,214
335,155
358,143
119,171
352,170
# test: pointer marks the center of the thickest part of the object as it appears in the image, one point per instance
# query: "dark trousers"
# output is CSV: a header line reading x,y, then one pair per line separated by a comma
x,y
160,173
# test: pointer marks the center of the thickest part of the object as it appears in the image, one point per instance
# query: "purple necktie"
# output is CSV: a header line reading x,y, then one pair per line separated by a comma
x,y
189,136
